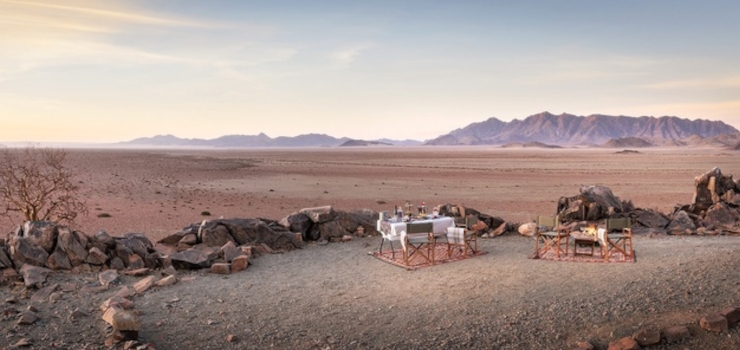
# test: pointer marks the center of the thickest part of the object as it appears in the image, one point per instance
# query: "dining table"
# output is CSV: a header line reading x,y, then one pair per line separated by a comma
x,y
398,227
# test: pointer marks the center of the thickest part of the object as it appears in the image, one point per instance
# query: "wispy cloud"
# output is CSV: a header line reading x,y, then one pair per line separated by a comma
x,y
93,10
724,82
42,33
348,55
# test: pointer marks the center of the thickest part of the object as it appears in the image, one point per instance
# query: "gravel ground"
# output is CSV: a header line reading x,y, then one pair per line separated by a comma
x,y
339,297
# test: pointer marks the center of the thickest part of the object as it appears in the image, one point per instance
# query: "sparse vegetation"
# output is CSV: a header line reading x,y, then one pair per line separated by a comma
x,y
205,213
36,183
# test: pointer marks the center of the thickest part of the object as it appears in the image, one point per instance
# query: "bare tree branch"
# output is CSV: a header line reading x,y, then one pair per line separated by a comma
x,y
36,182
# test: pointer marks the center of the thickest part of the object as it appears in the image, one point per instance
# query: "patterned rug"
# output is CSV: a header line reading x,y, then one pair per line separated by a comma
x,y
417,262
584,255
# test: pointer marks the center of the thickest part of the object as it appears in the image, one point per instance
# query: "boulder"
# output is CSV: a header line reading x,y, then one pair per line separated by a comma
x,y
215,235
124,253
41,233
732,314
239,263
33,275
298,222
144,284
714,322
647,336
592,204
96,257
229,251
721,214
108,277
165,249
174,238
135,262
72,244
676,333
319,215
58,260
166,281
626,343
135,242
350,221
527,229
709,188
42,295
258,231
650,218
331,229
221,268
105,239
681,224
190,239
197,257
116,263
24,251
5,261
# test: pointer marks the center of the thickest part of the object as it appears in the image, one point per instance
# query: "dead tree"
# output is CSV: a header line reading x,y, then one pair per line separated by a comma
x,y
36,183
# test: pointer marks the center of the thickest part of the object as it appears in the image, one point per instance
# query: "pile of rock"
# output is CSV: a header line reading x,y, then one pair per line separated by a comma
x,y
591,204
715,208
488,226
45,244
327,225
650,335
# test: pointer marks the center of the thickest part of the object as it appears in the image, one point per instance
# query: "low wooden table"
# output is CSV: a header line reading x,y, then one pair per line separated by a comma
x,y
584,241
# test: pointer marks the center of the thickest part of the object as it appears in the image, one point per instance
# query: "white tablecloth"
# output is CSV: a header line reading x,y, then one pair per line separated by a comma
x,y
398,228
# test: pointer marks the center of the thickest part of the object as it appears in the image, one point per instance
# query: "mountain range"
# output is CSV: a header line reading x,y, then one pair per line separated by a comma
x,y
539,130
571,130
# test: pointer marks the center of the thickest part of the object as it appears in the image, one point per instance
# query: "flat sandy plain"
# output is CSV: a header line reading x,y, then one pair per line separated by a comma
x,y
158,192
338,297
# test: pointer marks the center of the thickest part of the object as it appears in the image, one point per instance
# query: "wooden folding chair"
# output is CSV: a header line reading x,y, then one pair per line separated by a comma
x,y
417,236
617,238
465,237
551,235
387,236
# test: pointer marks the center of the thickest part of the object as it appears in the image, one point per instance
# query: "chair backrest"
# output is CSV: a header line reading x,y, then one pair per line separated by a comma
x,y
423,227
470,221
551,222
617,224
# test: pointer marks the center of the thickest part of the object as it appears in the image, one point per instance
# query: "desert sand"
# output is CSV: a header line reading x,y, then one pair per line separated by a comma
x,y
338,297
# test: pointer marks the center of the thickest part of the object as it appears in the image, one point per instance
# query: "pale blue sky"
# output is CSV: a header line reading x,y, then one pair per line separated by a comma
x,y
109,71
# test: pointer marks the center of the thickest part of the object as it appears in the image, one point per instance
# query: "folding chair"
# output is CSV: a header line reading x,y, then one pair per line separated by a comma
x,y
387,236
464,237
416,237
551,235
617,238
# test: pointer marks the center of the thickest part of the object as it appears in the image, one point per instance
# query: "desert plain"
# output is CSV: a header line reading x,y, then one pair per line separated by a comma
x,y
336,296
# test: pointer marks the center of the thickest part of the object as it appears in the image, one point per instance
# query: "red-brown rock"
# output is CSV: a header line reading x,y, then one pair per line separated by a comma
x,y
732,314
626,343
675,334
713,322
647,336
221,268
239,263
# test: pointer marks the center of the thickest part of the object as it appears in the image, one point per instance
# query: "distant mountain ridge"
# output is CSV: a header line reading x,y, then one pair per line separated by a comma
x,y
259,141
567,129
543,130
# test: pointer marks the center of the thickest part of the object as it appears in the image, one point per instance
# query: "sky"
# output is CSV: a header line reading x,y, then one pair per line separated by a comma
x,y
110,71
